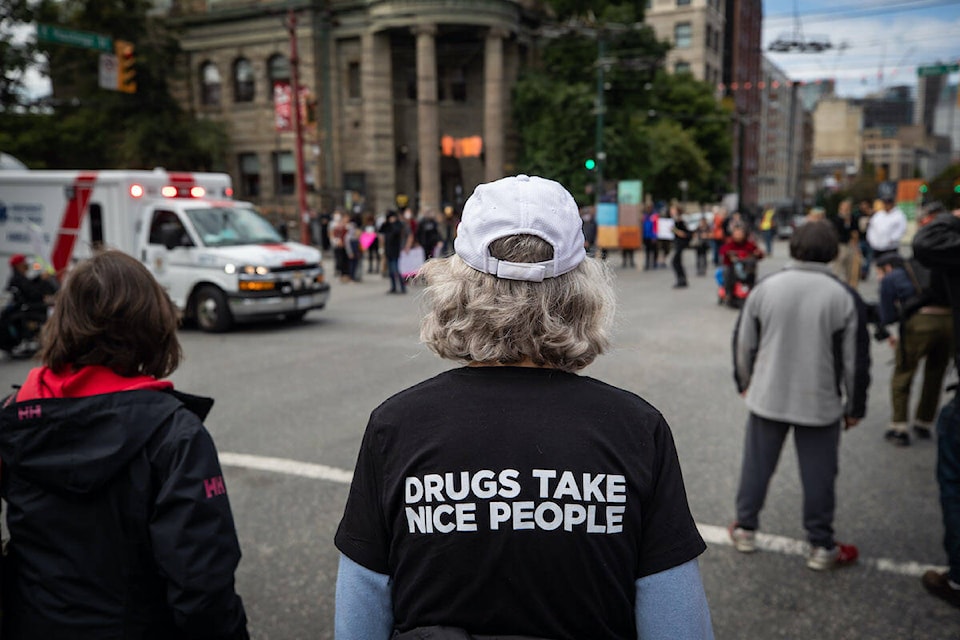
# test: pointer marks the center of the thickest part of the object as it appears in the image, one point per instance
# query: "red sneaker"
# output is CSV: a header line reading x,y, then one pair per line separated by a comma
x,y
842,555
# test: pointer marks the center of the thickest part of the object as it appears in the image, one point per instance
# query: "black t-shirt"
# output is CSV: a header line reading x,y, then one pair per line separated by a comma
x,y
510,500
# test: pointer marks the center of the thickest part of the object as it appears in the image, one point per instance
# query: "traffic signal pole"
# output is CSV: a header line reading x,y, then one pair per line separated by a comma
x,y
301,185
601,107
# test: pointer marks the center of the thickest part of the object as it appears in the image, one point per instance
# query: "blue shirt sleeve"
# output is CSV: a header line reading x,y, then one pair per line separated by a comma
x,y
672,604
364,607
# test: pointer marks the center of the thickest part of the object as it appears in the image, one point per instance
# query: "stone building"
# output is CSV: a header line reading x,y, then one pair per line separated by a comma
x,y
406,101
742,74
695,29
838,135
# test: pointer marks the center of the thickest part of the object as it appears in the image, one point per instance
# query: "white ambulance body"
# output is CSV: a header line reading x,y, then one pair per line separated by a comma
x,y
219,260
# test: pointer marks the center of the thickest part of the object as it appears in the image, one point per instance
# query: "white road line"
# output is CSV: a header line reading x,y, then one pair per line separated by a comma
x,y
288,467
712,534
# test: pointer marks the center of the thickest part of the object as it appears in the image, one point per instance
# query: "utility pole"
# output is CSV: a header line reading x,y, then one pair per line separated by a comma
x,y
601,108
303,214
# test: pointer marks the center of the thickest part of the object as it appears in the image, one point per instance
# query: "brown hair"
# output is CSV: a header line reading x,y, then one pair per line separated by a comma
x,y
814,241
112,312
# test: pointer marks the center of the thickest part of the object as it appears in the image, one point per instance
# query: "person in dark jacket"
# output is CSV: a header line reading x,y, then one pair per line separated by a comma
x,y
937,246
395,235
119,521
925,335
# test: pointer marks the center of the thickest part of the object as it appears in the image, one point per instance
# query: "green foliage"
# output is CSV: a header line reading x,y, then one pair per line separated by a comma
x,y
658,127
84,126
942,188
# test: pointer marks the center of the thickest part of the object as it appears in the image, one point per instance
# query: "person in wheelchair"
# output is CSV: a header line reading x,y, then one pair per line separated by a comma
x,y
739,255
26,311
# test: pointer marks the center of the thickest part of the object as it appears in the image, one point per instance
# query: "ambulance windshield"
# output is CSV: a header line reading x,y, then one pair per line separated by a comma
x,y
226,226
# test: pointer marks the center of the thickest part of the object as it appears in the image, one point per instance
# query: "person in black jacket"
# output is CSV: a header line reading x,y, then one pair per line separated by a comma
x,y
119,521
937,246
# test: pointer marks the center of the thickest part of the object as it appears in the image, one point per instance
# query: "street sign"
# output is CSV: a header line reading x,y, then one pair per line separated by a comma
x,y
82,39
108,71
937,69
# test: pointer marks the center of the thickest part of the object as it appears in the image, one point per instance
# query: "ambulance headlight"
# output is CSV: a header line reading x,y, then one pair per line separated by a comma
x,y
230,269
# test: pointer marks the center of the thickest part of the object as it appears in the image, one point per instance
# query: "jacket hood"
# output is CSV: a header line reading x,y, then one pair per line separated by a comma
x,y
74,432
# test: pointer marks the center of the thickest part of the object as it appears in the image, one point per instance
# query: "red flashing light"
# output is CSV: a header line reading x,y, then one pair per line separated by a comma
x,y
197,192
169,191
136,191
228,192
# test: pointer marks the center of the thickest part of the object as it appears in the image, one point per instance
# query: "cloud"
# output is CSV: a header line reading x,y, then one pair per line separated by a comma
x,y
869,53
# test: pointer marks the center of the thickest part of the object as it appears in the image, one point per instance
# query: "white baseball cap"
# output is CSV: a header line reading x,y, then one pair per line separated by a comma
x,y
521,205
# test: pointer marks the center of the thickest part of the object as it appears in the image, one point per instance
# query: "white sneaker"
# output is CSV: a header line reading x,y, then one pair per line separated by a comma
x,y
842,555
744,540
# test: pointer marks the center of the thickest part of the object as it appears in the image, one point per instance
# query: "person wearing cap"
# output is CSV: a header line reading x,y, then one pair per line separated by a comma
x,y
925,335
513,496
802,362
886,228
27,290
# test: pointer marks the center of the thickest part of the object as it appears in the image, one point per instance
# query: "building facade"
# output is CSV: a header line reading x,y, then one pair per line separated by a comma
x,y
406,103
695,28
781,138
838,135
741,75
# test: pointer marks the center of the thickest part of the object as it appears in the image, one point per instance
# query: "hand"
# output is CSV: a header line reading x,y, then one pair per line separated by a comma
x,y
849,423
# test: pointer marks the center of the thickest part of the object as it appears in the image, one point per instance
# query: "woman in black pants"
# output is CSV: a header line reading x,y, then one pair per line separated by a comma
x,y
681,240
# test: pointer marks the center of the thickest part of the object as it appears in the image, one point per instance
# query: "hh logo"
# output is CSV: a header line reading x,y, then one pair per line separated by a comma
x,y
29,413
214,486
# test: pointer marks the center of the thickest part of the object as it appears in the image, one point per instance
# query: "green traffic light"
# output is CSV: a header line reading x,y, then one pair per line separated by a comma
x,y
956,188
590,164
923,188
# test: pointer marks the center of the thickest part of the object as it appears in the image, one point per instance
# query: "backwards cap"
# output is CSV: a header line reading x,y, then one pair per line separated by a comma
x,y
17,259
521,205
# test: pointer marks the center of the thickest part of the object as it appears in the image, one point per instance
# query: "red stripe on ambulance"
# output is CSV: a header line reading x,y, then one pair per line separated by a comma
x,y
72,217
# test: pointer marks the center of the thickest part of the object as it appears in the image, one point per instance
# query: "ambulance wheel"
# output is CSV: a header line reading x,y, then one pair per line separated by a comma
x,y
211,310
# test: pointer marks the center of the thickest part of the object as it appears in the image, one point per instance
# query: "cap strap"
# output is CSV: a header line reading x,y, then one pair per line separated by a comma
x,y
531,272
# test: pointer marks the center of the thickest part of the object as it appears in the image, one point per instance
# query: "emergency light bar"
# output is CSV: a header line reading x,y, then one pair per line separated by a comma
x,y
136,191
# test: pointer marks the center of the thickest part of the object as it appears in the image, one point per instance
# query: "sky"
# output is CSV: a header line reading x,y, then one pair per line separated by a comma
x,y
875,43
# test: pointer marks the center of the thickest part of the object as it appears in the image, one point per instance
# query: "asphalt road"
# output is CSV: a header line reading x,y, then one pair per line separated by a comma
x,y
302,393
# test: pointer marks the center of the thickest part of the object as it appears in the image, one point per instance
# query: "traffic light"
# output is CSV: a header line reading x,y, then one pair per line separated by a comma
x,y
956,185
590,164
126,73
923,188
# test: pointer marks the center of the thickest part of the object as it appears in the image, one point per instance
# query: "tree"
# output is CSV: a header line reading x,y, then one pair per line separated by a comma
x,y
648,113
85,126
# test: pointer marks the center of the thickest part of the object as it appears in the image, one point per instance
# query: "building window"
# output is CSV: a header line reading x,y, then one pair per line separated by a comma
x,y
250,175
353,80
682,35
209,84
242,80
681,67
284,173
683,3
279,71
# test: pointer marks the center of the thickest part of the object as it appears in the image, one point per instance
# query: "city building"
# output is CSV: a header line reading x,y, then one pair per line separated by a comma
x,y
902,153
695,28
837,136
405,102
781,139
946,118
742,72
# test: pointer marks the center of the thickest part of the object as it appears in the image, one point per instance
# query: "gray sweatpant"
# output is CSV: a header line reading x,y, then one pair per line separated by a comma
x,y
817,453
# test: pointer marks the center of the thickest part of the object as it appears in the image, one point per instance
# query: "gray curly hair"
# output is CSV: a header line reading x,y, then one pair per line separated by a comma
x,y
562,322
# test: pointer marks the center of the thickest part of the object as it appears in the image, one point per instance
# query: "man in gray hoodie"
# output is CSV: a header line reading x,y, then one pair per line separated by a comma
x,y
802,361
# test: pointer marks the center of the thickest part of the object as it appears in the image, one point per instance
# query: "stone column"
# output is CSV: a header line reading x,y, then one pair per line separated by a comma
x,y
428,132
378,144
493,105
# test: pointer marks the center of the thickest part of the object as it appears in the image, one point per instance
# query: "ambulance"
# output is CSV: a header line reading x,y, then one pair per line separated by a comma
x,y
219,260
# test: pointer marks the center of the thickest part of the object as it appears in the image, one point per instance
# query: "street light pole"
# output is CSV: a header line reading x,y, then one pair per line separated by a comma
x,y
301,185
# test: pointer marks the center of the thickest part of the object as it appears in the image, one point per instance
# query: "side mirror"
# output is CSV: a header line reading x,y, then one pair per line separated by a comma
x,y
171,234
